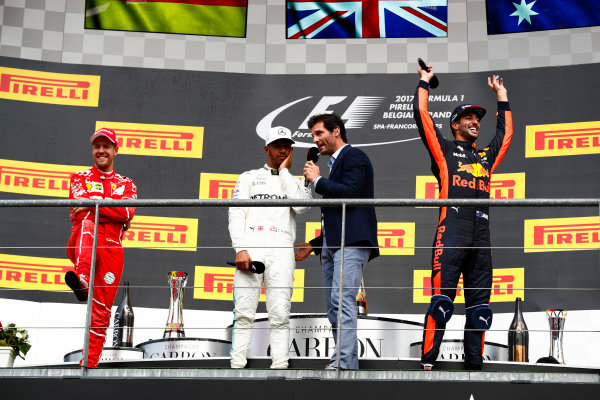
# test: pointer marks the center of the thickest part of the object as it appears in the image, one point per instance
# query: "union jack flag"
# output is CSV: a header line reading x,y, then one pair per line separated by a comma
x,y
366,18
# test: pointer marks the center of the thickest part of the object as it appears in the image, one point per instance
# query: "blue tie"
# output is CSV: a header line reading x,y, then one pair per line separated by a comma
x,y
330,162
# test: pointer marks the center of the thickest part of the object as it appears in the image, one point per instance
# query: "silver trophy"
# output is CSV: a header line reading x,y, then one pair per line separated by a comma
x,y
177,282
556,319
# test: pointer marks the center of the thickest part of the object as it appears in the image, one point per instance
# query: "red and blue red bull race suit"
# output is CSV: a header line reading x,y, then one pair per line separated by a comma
x,y
94,184
462,240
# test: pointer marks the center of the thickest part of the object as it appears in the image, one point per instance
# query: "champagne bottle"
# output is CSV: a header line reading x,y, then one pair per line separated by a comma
x,y
123,322
361,299
518,336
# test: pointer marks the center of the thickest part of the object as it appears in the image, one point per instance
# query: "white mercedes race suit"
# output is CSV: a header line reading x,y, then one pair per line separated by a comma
x,y
268,234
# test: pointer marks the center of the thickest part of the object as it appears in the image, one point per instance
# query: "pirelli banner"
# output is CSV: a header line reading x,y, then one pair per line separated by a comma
x,y
189,135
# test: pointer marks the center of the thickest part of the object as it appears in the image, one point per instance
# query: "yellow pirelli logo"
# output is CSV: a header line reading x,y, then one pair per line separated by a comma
x,y
562,139
47,87
217,186
507,285
396,238
502,186
216,283
38,273
36,178
162,233
562,234
393,238
157,140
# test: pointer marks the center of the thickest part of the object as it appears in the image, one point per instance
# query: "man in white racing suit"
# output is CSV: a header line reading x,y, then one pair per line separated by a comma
x,y
265,234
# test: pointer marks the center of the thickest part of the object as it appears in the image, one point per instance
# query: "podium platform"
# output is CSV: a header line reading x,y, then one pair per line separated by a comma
x,y
196,371
384,378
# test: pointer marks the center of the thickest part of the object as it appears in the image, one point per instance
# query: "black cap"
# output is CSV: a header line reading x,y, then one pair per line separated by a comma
x,y
464,108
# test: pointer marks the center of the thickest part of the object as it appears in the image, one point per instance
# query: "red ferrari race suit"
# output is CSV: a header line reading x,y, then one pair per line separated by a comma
x,y
94,184
462,240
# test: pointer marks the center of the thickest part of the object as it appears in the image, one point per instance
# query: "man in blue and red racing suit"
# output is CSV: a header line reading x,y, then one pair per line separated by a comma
x,y
99,182
462,240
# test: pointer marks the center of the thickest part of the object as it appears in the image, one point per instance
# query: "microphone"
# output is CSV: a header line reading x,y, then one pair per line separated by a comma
x,y
312,155
255,266
434,82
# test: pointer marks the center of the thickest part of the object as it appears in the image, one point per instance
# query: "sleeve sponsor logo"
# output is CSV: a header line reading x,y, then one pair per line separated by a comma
x,y
37,273
502,186
507,285
36,178
562,234
157,140
217,186
216,283
394,238
162,233
562,139
52,88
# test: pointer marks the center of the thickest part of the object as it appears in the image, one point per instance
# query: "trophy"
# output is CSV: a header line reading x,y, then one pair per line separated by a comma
x,y
177,282
556,319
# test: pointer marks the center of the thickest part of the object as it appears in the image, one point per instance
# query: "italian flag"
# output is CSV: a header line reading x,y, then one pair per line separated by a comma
x,y
192,17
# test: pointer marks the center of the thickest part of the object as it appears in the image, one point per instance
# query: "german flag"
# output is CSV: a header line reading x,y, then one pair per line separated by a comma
x,y
192,17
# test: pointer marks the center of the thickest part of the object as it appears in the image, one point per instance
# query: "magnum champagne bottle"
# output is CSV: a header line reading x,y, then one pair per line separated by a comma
x,y
361,299
123,323
518,336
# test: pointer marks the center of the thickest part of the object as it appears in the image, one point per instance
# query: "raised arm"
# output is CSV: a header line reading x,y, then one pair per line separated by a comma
x,y
504,124
496,83
434,141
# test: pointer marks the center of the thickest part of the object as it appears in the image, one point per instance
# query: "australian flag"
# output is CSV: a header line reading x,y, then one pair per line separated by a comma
x,y
508,16
366,19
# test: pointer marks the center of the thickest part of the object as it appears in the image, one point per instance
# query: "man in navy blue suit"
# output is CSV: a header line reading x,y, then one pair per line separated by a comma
x,y
351,176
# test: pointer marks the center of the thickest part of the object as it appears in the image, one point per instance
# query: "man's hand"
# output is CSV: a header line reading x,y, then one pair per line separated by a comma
x,y
311,171
127,225
497,85
304,250
426,75
243,260
287,163
76,210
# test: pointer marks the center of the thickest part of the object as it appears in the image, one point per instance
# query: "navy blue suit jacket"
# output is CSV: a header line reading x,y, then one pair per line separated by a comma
x,y
351,177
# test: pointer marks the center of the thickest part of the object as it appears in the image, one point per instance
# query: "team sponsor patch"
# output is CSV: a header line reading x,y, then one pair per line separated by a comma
x,y
109,278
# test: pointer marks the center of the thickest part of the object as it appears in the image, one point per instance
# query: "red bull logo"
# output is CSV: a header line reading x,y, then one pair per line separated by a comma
x,y
476,169
502,186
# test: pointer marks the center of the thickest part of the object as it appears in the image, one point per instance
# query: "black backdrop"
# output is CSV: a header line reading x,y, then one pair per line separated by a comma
x,y
231,106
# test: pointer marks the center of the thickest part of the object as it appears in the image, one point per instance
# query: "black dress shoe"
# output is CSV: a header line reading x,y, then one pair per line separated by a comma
x,y
72,281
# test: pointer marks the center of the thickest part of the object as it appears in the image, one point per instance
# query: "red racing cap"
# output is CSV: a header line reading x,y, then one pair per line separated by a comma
x,y
107,133
464,108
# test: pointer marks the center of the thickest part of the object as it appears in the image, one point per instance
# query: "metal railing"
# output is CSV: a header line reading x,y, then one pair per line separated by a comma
x,y
344,203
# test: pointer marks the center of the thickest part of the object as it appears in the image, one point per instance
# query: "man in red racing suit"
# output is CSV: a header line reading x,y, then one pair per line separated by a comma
x,y
99,182
462,240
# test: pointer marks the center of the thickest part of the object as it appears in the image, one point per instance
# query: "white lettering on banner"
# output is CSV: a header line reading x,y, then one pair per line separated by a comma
x,y
367,113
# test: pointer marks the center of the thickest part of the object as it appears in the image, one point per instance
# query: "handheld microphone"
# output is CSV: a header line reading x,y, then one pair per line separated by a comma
x,y
256,267
434,82
312,155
